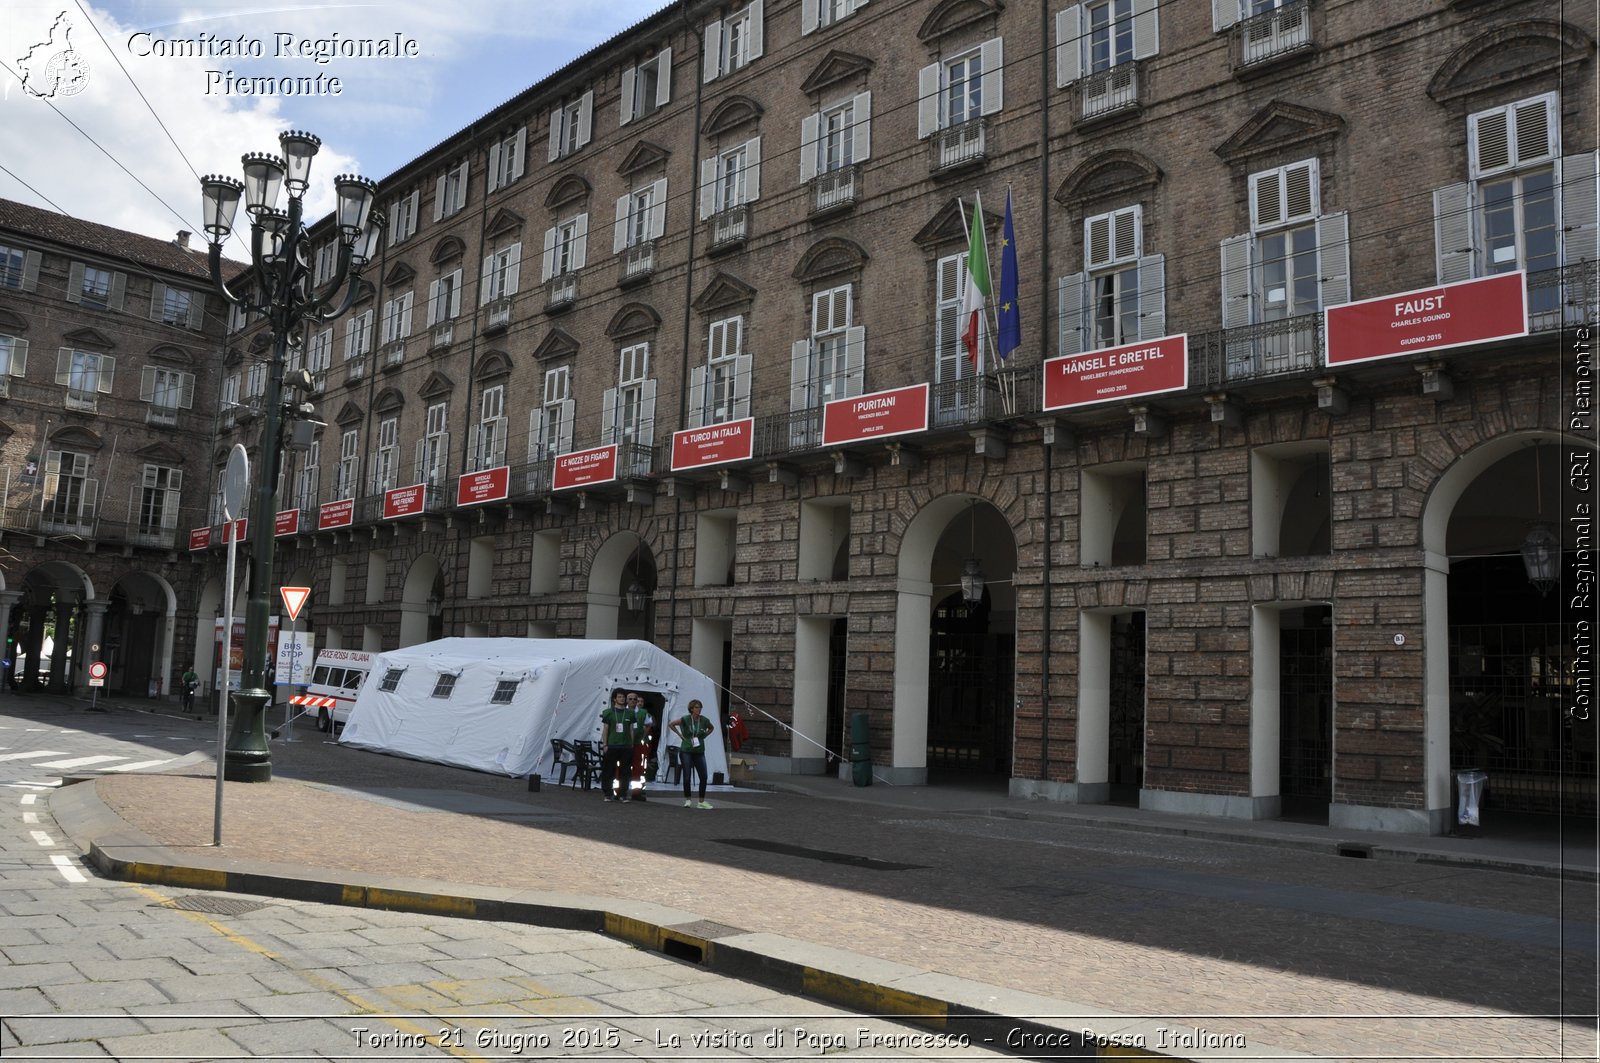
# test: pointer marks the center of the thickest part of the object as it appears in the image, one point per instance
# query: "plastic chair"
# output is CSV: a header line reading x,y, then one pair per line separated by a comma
x,y
562,756
586,765
674,764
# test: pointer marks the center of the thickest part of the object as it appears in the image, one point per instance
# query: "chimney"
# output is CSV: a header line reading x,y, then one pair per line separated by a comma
x,y
183,239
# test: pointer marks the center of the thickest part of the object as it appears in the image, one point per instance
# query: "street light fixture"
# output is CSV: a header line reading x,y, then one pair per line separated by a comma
x,y
281,288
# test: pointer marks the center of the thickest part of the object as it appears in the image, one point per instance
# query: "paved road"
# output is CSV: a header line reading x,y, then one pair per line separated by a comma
x,y
96,969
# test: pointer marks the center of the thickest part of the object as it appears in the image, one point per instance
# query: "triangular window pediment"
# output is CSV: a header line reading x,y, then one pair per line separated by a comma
x,y
569,189
835,67
949,224
447,250
634,319
724,292
494,364
730,114
88,339
402,273
1280,127
388,400
160,454
504,222
556,344
349,414
643,156
953,15
437,384
232,357
260,342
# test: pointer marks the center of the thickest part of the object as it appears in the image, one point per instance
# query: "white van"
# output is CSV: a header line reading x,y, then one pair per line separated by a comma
x,y
335,679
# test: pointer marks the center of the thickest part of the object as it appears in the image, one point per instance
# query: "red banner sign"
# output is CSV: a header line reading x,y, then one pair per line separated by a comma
x,y
489,485
288,523
714,444
1428,319
1114,374
340,514
237,531
404,501
584,467
199,538
883,413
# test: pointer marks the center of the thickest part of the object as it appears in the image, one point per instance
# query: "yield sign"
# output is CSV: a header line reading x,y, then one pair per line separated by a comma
x,y
294,599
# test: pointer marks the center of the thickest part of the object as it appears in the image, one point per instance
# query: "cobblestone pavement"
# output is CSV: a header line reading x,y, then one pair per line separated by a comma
x,y
1273,946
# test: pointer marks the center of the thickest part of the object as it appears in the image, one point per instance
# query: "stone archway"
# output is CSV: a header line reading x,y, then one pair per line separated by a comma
x,y
422,602
56,618
625,561
137,636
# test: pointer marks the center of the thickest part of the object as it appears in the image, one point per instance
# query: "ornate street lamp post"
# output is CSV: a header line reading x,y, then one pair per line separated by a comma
x,y
280,287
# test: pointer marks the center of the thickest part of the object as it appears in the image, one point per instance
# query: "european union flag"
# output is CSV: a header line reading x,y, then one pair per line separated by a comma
x,y
1009,313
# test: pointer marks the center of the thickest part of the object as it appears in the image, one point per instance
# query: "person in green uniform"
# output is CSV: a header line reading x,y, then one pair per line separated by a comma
x,y
190,681
692,731
617,723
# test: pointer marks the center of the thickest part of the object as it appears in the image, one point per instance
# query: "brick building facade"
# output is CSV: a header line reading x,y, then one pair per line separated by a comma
x,y
1260,592
108,346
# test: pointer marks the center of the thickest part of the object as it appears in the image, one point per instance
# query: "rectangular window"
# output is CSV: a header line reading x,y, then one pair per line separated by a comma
x,y
1288,273
69,492
255,382
445,685
386,462
84,373
501,272
837,149
963,88
506,158
346,485
639,206
391,680
358,335
450,193
403,216
734,42
504,691
489,448
11,261
13,357
444,298
819,14
175,305
632,370
646,87
433,447
570,125
831,313
397,317
320,355
96,289
1110,34
554,430
566,246
725,345
305,490
167,389
158,499
960,89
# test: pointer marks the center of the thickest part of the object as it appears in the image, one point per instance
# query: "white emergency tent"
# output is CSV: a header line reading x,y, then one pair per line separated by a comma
x,y
494,704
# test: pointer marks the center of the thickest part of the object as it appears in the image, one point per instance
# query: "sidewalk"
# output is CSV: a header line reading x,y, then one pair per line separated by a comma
x,y
960,907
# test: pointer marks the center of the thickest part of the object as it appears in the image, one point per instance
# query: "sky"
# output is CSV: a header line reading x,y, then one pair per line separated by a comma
x,y
112,112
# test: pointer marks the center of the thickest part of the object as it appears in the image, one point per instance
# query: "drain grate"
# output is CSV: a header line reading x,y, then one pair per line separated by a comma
x,y
824,855
199,902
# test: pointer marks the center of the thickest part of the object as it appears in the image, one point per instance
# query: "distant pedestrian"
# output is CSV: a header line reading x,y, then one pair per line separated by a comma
x,y
692,731
617,722
643,733
189,681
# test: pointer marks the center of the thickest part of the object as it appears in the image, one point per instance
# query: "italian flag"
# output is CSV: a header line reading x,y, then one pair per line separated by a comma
x,y
977,292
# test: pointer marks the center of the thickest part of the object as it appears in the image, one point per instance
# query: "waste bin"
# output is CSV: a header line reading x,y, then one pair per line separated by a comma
x,y
1469,791
860,749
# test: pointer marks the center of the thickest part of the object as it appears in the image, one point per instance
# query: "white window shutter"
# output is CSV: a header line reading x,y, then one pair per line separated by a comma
x,y
741,385
658,208
513,270
485,289
1238,293
147,383
580,242
1224,13
1536,133
30,271
585,117
647,414
810,125
800,382
994,68
555,134
1069,47
549,269
462,173
1152,297
619,238
664,77
197,310
519,153
1577,180
19,357
1333,259
185,395
1453,229
64,365
708,187
536,434
810,15
625,108
1071,299
928,101
1266,199
712,52
861,130
608,416
106,372
752,162
433,303
438,197
75,283
565,441
855,362
494,165
1146,29
416,206
697,396
754,44
158,300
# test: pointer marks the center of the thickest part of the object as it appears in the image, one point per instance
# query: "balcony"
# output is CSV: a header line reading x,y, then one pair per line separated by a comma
x,y
1278,34
355,369
497,316
730,228
561,293
967,401
161,416
959,146
835,191
394,354
1255,352
131,533
5,387
319,382
1111,92
1566,297
638,263
442,336
82,401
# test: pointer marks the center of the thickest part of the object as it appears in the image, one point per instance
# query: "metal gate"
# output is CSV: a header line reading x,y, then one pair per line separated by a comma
x,y
969,692
1305,706
1126,752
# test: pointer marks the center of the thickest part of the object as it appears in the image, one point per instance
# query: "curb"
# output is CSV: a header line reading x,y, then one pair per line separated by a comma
x,y
944,1008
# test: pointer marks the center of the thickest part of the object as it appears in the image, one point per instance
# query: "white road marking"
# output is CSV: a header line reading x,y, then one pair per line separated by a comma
x,y
30,817
68,871
79,762
41,838
29,799
137,765
36,754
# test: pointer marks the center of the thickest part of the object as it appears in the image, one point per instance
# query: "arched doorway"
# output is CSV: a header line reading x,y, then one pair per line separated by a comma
x,y
48,623
955,642
622,589
422,602
137,640
1501,667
